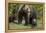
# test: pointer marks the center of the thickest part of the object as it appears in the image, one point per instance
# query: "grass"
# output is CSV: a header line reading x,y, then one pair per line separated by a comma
x,y
21,26
18,26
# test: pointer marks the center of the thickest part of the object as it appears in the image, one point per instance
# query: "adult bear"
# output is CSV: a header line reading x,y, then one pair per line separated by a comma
x,y
23,13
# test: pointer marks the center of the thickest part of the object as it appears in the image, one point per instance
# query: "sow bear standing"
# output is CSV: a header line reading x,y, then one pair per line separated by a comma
x,y
23,13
